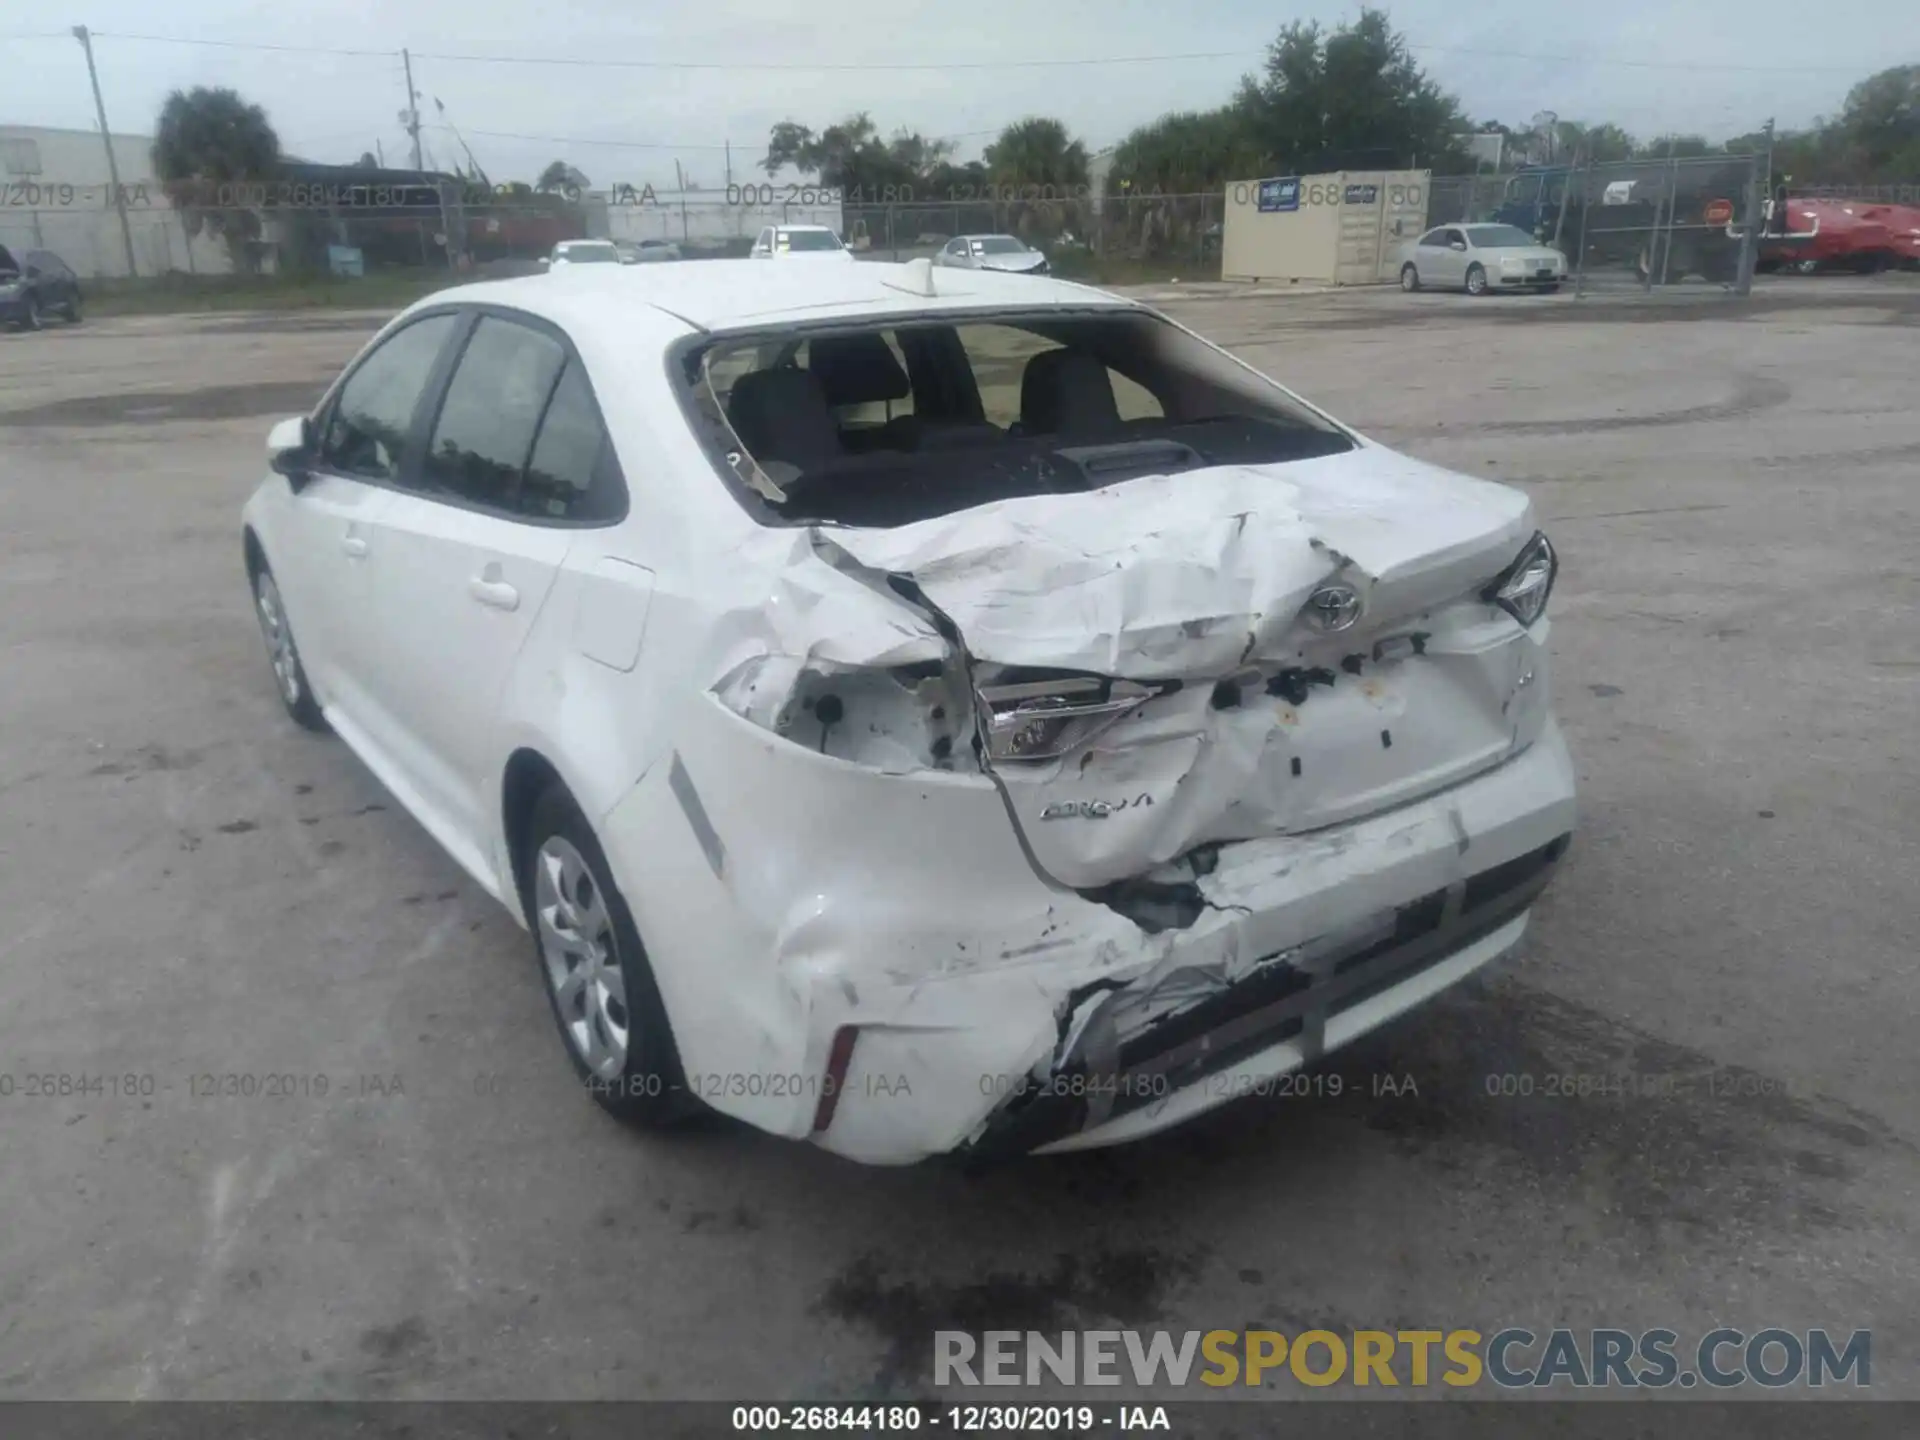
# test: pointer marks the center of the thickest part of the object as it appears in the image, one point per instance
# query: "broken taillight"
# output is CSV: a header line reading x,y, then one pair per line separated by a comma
x,y
1045,719
1523,587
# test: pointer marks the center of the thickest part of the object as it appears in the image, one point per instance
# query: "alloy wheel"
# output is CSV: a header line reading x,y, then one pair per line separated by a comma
x,y
273,625
582,961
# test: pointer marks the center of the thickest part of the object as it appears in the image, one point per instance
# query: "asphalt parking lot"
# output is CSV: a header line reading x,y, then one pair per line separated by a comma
x,y
1690,1102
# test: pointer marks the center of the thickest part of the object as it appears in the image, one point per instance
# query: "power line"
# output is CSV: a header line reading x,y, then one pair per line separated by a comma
x,y
807,68
935,66
669,147
1640,64
244,45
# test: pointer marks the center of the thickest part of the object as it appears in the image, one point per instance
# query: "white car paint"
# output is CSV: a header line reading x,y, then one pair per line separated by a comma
x,y
1448,256
776,242
785,891
583,252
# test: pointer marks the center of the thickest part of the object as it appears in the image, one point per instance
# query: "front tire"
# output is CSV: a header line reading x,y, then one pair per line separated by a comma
x,y
290,676
599,983
1476,280
1409,278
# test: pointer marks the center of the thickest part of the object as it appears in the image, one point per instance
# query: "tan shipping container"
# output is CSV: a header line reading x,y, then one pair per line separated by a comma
x,y
1349,227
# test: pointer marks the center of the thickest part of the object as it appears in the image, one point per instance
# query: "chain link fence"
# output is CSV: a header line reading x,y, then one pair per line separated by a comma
x,y
1082,233
1642,223
1628,224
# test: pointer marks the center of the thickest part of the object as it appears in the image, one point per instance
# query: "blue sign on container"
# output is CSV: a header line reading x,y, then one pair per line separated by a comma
x,y
1281,194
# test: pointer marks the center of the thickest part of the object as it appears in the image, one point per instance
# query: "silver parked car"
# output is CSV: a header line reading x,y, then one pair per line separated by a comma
x,y
581,252
1479,258
992,252
646,252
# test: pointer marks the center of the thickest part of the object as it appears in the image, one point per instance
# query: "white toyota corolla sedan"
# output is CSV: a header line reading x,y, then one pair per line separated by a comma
x,y
913,710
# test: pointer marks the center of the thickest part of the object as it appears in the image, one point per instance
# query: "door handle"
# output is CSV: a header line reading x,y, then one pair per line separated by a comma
x,y
354,546
497,593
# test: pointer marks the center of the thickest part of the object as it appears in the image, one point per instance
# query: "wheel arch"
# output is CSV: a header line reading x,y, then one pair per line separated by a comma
x,y
256,553
527,775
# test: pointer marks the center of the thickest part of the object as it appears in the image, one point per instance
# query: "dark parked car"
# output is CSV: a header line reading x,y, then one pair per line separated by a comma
x,y
36,285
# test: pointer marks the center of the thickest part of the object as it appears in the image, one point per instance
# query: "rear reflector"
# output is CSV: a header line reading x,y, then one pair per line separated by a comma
x,y
839,1057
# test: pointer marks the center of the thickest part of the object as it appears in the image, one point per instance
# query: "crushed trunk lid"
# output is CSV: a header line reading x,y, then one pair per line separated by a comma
x,y
1265,650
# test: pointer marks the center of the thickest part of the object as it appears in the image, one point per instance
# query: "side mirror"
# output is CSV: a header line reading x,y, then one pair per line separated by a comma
x,y
1460,245
290,447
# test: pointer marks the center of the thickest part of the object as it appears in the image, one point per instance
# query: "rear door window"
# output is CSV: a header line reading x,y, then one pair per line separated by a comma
x,y
366,433
484,435
572,475
519,431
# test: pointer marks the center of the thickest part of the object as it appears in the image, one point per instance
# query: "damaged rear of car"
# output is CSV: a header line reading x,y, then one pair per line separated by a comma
x,y
1101,732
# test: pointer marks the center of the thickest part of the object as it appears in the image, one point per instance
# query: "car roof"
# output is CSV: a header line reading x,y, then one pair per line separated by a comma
x,y
992,235
828,229
739,294
581,244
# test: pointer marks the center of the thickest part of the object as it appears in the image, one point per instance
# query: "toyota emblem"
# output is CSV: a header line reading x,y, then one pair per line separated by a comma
x,y
1333,607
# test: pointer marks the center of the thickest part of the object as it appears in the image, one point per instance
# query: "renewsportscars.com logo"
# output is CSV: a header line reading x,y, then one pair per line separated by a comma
x,y
1509,1359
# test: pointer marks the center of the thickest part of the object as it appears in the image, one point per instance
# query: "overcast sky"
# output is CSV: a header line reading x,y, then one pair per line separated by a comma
x,y
1637,67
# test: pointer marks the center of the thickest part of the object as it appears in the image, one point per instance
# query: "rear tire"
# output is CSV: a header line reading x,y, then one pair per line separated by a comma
x,y
1476,280
30,319
1409,278
72,310
599,984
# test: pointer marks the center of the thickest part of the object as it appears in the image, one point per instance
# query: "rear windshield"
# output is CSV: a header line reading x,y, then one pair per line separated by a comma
x,y
999,245
885,424
809,240
590,254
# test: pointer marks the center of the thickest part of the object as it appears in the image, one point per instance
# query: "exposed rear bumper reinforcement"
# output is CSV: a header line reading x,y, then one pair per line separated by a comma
x,y
1286,998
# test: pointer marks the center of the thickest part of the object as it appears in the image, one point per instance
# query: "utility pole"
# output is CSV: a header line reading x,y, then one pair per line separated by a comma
x,y
681,175
413,109
729,167
106,138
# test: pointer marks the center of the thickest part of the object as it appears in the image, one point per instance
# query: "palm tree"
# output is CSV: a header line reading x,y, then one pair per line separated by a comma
x,y
208,148
1037,151
560,176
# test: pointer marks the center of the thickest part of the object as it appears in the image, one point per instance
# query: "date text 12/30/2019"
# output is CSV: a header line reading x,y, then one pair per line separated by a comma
x,y
950,1419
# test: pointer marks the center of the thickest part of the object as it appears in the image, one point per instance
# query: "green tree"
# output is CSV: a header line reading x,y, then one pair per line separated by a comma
x,y
852,156
208,145
1037,151
1186,153
1601,144
1679,147
1351,98
1880,124
559,177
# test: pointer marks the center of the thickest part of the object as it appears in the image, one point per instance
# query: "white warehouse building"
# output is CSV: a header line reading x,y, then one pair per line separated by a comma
x,y
56,194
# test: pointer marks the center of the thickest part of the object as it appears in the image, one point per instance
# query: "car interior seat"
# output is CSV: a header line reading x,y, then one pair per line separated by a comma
x,y
1067,393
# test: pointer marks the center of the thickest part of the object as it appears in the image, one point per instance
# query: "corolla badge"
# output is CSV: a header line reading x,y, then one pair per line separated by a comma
x,y
1332,607
1093,809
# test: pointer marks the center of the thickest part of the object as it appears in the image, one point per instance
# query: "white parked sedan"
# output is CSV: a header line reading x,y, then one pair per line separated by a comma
x,y
798,242
1482,258
918,711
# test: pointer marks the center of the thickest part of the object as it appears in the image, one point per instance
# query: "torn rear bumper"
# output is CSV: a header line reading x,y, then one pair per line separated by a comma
x,y
784,896
1296,1007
